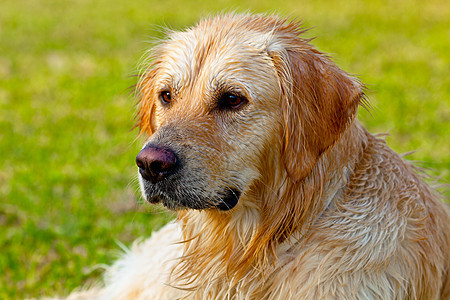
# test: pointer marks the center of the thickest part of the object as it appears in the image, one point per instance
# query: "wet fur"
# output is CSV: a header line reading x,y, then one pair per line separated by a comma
x,y
327,210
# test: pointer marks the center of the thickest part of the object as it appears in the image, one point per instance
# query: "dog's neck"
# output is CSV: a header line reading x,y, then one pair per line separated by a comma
x,y
276,212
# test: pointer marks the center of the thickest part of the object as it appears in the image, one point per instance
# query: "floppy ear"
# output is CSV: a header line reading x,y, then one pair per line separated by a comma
x,y
319,101
146,103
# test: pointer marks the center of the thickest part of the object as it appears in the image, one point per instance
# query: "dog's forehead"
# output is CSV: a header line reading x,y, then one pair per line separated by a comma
x,y
216,57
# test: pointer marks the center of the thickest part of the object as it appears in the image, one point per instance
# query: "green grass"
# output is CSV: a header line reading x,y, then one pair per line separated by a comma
x,y
67,176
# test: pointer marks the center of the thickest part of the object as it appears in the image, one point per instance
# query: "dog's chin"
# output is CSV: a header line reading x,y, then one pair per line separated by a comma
x,y
224,202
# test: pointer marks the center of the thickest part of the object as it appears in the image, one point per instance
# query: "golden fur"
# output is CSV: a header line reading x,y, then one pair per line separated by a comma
x,y
327,210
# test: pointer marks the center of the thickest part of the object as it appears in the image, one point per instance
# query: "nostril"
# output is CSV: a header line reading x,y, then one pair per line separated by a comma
x,y
157,167
139,163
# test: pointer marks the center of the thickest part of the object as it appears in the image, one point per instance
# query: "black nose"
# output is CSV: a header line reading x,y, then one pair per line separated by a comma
x,y
155,164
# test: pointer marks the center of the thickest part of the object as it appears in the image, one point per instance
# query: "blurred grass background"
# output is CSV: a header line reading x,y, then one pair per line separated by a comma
x,y
67,176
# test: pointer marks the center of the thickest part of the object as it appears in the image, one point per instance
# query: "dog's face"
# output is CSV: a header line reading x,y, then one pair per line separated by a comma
x,y
216,103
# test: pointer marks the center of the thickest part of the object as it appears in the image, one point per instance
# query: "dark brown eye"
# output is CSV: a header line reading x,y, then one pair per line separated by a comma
x,y
165,97
231,101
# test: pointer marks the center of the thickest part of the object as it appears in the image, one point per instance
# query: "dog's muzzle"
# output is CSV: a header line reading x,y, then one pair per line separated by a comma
x,y
161,171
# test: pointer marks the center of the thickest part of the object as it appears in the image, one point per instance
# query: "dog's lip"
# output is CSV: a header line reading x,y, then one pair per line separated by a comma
x,y
229,199
161,193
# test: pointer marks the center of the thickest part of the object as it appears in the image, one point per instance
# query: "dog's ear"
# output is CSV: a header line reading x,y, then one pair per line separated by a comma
x,y
146,103
319,100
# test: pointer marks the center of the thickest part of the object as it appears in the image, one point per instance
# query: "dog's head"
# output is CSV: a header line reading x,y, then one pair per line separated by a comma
x,y
234,99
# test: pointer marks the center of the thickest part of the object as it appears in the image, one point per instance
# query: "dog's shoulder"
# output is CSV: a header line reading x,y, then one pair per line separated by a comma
x,y
383,228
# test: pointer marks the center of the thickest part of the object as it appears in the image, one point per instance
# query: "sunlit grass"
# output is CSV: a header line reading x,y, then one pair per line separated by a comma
x,y
67,152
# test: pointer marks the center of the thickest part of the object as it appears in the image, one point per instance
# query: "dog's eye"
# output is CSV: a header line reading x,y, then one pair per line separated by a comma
x,y
231,101
165,97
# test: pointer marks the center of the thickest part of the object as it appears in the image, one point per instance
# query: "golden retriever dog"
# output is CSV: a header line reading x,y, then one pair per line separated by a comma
x,y
279,191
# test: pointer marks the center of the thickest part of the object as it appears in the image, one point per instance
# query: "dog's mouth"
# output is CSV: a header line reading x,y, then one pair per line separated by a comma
x,y
229,199
174,200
